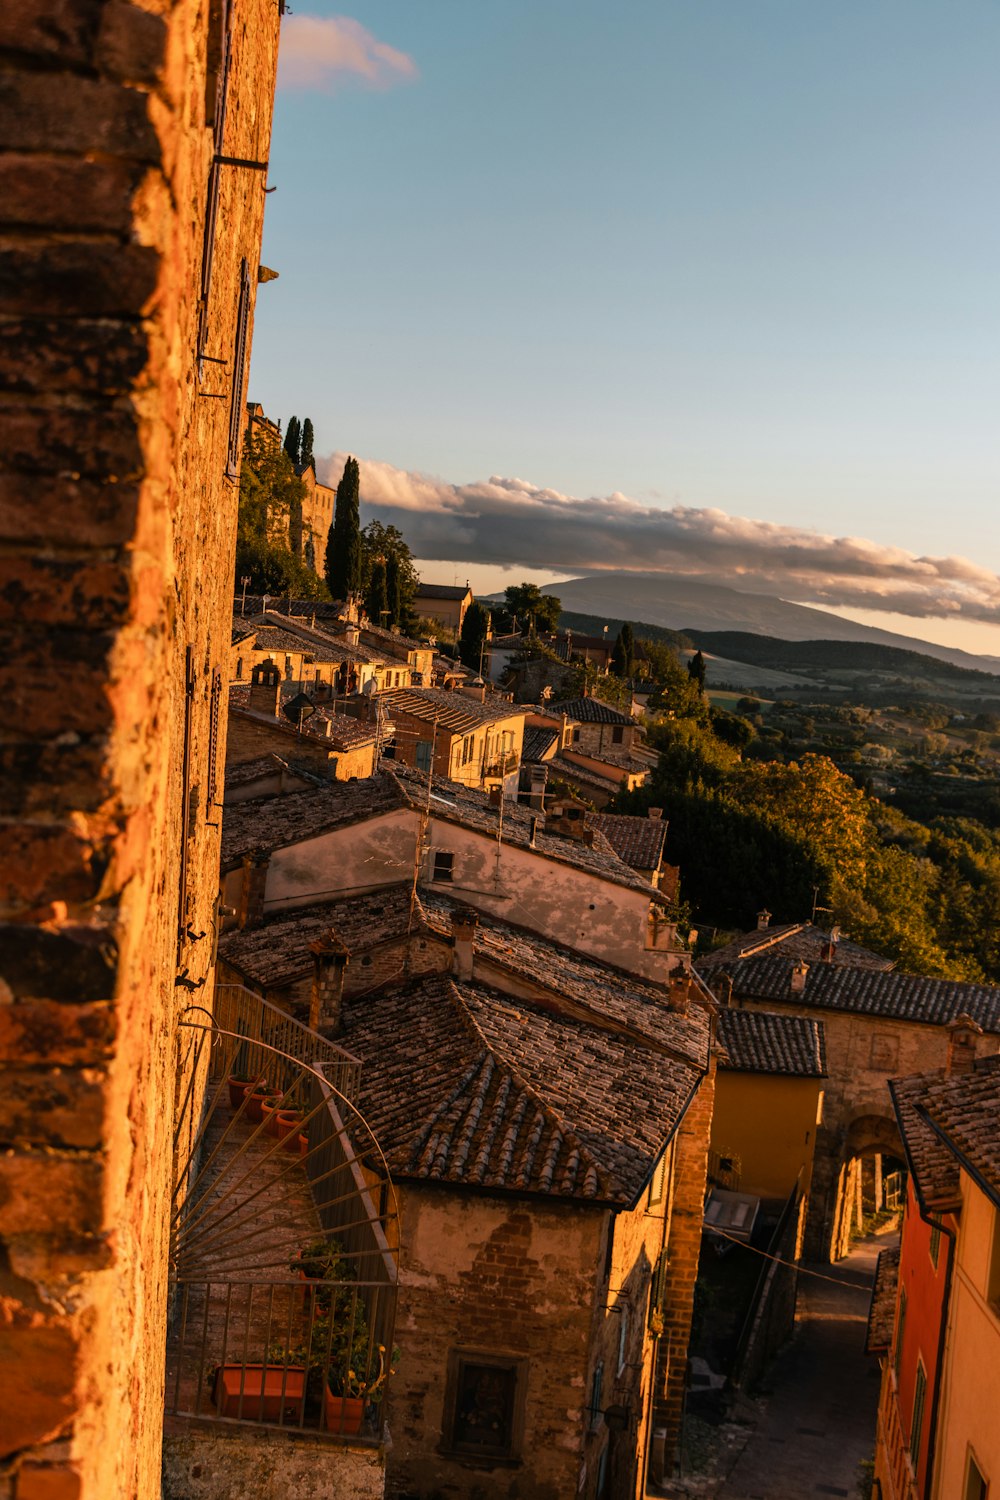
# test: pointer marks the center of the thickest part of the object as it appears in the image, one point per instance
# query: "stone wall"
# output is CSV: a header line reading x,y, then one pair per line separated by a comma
x,y
118,530
203,1462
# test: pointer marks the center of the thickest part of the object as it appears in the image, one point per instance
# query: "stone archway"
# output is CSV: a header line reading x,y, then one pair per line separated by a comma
x,y
867,1140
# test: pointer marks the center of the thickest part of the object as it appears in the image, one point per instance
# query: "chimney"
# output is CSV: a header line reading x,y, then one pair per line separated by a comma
x,y
763,919
463,937
251,910
496,796
826,952
352,634
656,813
799,972
679,991
326,999
265,689
963,1032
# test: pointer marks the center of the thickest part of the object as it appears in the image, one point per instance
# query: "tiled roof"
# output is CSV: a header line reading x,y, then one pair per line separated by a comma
x,y
277,951
442,591
538,742
305,608
271,637
761,1041
882,1313
586,776
346,732
902,997
274,822
591,711
464,1085
242,630
473,809
621,998
323,642
964,1112
932,1166
453,710
796,940
638,841
265,765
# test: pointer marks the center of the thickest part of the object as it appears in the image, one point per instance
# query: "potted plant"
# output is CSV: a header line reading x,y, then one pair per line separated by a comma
x,y
273,1391
269,1107
352,1393
239,1082
256,1094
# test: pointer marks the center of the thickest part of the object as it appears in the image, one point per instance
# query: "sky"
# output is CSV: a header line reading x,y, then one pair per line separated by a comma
x,y
707,286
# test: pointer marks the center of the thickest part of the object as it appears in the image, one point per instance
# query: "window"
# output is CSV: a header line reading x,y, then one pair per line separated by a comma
x,y
239,668
935,1246
900,1326
919,1392
239,374
617,734
623,1336
975,1482
596,1384
484,1404
993,1280
444,865
288,669
423,755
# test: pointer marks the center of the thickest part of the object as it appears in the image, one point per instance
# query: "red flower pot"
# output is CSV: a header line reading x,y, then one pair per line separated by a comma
x,y
342,1413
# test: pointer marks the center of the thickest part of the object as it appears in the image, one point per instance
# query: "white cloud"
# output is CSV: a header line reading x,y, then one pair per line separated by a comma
x,y
511,522
317,52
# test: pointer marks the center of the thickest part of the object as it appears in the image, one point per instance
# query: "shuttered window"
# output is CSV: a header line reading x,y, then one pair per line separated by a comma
x,y
239,374
919,1392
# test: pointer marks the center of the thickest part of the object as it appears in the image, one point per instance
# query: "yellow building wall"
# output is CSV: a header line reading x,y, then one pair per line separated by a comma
x,y
769,1121
970,1406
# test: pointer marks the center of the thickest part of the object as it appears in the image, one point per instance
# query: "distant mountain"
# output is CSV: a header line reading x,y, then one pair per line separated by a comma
x,y
694,605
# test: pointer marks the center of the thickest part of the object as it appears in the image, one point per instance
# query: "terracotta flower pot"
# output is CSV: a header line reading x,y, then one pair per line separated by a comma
x,y
289,1122
255,1098
269,1113
342,1414
260,1393
238,1088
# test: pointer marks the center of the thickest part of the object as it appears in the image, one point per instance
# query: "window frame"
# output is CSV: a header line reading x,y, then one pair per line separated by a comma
x,y
917,1413
441,860
973,1471
507,1455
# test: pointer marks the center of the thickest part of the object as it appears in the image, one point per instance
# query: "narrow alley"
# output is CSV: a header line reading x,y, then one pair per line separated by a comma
x,y
816,1418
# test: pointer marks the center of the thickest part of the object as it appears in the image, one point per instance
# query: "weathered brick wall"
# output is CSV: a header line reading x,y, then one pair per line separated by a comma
x,y
506,1278
118,531
684,1244
250,737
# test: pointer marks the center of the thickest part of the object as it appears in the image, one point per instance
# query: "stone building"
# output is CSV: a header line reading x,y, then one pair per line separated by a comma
x,y
135,143
447,603
877,1023
553,1170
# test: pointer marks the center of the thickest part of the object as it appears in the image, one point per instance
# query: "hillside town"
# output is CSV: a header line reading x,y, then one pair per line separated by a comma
x,y
379,1124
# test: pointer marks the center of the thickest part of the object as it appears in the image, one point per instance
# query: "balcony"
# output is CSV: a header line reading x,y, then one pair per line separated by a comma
x,y
282,1290
501,766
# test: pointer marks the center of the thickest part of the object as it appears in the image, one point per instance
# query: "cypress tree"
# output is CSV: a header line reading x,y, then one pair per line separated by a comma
x,y
343,547
293,439
393,590
623,656
475,628
306,447
696,670
376,599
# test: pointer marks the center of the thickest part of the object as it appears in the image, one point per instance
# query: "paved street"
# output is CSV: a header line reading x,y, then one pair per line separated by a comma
x,y
818,1424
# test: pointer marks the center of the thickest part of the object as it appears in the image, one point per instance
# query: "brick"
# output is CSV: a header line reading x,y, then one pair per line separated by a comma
x,y
52,1107
93,116
48,1482
41,1194
37,1404
46,778
44,356
45,1031
77,964
52,1257
63,590
41,192
102,444
45,862
78,510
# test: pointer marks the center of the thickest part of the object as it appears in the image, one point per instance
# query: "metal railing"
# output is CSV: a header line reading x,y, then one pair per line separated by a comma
x,y
501,765
249,1016
283,1285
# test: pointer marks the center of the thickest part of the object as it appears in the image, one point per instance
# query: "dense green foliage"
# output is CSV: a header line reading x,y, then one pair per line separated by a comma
x,y
343,547
269,526
525,603
472,639
293,439
306,447
623,656
389,580
750,830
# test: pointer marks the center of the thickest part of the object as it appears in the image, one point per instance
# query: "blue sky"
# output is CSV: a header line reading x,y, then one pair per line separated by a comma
x,y
732,255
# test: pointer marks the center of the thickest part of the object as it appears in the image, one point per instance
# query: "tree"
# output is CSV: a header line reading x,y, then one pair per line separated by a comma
x,y
623,657
269,520
293,440
376,595
475,628
401,580
306,445
343,547
527,603
696,670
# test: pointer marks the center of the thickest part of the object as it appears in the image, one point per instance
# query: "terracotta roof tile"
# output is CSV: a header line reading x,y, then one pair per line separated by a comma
x,y
761,1041
964,1112
591,711
538,742
453,710
638,841
268,823
795,940
277,952
882,1313
904,997
932,1166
